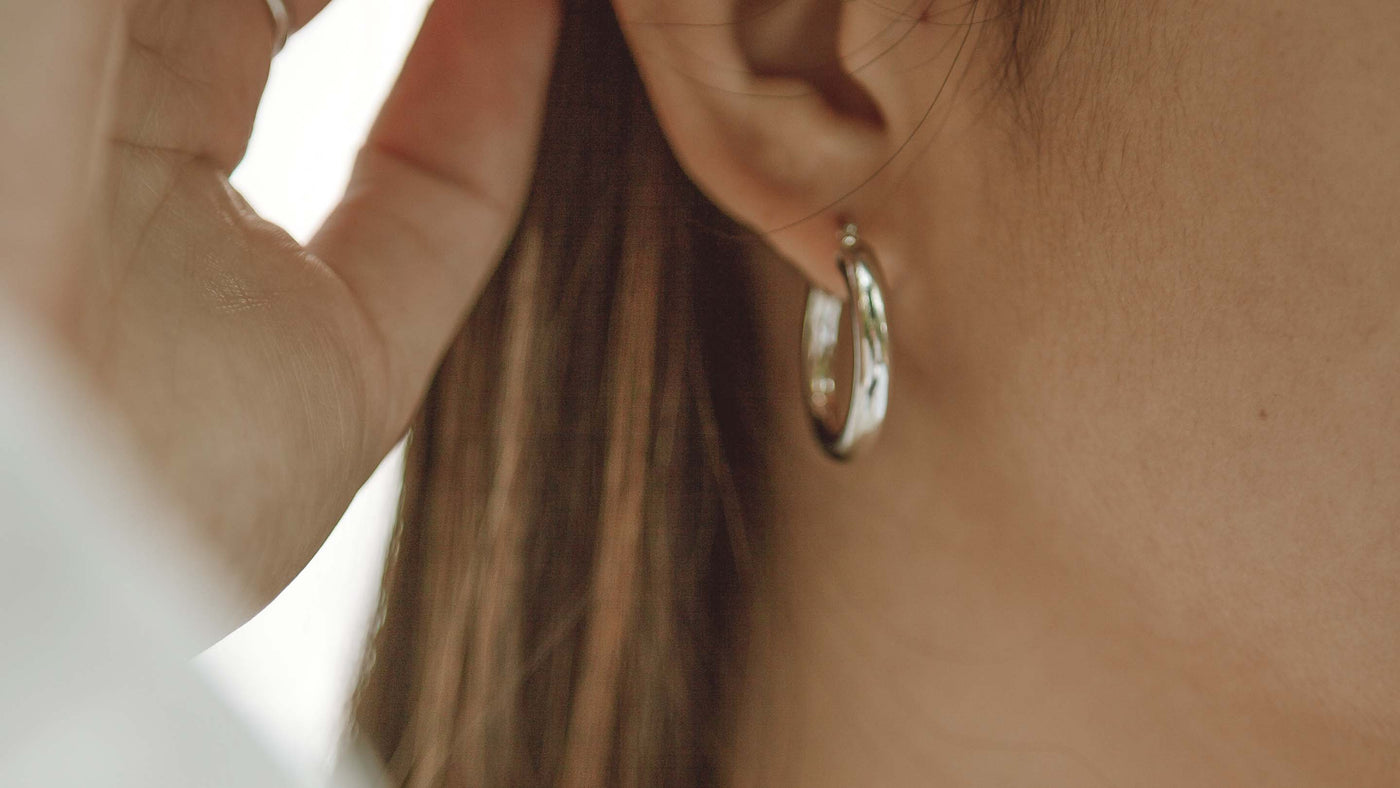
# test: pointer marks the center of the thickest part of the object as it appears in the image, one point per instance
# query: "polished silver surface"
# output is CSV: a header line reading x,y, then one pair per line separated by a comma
x,y
281,24
870,335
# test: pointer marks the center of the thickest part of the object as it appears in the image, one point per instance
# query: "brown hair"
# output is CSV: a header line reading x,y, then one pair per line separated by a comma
x,y
564,584
564,595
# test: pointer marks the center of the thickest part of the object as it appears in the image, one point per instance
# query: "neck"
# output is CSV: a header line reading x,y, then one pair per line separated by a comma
x,y
918,621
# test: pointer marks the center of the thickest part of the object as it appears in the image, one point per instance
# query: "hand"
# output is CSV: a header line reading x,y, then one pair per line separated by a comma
x,y
264,380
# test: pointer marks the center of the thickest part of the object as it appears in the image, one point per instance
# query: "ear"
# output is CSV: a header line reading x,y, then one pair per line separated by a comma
x,y
789,114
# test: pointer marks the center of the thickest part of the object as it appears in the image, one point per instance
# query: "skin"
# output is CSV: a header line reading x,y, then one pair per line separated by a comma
x,y
1134,519
262,381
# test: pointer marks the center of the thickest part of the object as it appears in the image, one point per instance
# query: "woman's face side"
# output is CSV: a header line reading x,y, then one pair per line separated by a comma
x,y
1145,295
1184,288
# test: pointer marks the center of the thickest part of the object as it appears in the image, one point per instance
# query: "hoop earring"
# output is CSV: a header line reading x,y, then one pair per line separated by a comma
x,y
870,335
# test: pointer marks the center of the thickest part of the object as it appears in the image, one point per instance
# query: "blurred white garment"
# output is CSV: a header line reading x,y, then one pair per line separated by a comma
x,y
100,607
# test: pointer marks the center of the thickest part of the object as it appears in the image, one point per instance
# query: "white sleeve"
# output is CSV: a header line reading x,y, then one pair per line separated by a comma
x,y
100,608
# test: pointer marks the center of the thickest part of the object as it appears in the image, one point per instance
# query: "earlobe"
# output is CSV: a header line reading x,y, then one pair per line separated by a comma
x,y
764,113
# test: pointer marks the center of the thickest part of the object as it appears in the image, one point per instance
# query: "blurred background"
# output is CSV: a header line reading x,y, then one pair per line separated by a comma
x,y
290,670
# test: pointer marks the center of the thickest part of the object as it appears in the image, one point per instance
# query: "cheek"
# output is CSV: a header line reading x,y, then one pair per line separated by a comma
x,y
1229,486
1201,380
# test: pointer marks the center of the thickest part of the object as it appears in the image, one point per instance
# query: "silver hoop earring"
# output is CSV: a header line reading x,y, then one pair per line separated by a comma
x,y
870,340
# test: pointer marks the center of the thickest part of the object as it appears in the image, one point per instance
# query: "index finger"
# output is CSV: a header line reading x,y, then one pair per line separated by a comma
x,y
439,186
57,61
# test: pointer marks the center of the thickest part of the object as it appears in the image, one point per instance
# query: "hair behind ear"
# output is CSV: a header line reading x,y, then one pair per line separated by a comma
x,y
562,590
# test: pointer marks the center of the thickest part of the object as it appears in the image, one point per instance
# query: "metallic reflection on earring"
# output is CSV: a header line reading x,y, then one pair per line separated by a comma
x,y
281,24
870,335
